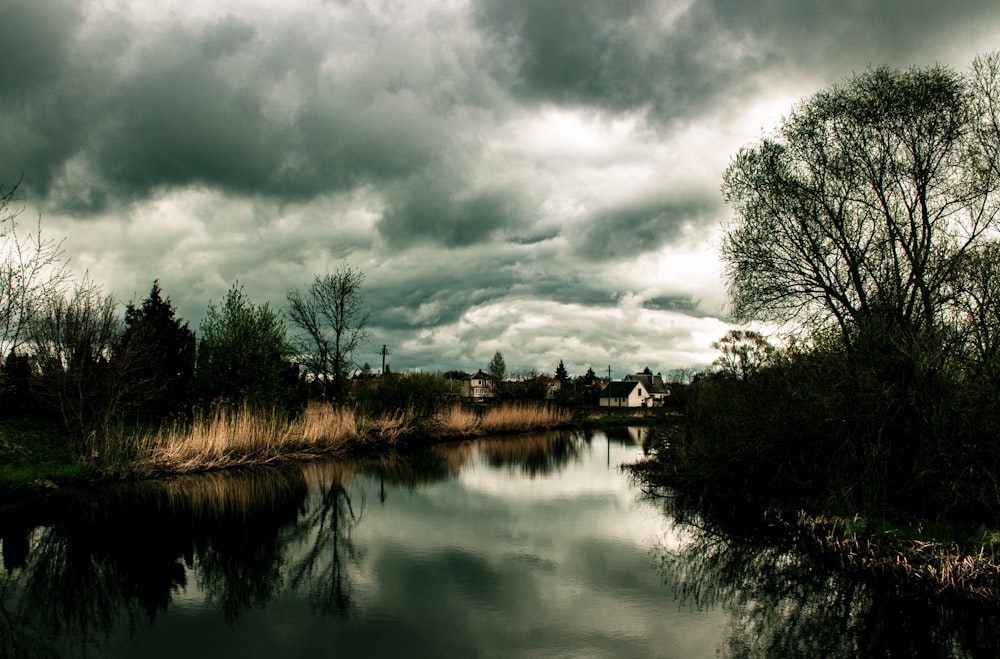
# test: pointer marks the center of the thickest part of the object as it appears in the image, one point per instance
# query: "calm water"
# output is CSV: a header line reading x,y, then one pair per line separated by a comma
x,y
534,546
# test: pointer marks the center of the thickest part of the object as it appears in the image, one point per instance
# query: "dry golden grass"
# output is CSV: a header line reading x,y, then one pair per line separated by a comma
x,y
323,427
515,417
457,421
226,439
939,567
388,429
244,436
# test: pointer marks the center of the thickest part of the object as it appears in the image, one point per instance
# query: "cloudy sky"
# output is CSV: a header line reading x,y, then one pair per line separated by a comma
x,y
539,177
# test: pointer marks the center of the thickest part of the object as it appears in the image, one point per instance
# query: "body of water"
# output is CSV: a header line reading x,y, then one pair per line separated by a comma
x,y
533,546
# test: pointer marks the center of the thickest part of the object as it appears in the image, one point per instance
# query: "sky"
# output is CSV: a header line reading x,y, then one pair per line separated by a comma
x,y
535,177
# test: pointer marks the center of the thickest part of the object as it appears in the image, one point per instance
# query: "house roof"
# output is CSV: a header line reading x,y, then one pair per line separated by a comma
x,y
619,389
654,383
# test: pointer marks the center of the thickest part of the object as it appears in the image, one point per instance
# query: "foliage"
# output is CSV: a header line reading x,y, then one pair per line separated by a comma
x,y
243,355
331,322
156,355
743,353
865,223
561,373
421,393
862,204
497,368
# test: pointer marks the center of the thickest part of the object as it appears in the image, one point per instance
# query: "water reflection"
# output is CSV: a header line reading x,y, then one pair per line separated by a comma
x,y
117,556
783,604
325,529
535,545
79,567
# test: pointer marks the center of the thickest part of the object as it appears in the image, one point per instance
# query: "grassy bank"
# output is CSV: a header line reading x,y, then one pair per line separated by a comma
x,y
35,457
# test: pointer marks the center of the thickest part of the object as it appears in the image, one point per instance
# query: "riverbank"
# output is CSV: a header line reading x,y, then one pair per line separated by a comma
x,y
927,559
36,457
910,557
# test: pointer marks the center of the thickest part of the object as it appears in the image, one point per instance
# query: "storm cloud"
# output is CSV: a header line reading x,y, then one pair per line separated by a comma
x,y
539,178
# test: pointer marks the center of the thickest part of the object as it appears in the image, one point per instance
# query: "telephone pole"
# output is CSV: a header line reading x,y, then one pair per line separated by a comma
x,y
385,351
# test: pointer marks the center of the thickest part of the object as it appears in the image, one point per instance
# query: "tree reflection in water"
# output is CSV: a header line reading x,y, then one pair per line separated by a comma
x,y
535,455
115,557
321,570
784,604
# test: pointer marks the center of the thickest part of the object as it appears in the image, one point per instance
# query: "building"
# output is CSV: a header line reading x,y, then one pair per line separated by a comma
x,y
624,393
657,388
639,390
477,388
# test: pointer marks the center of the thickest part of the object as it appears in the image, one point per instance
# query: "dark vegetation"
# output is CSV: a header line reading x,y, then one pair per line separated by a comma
x,y
866,228
88,393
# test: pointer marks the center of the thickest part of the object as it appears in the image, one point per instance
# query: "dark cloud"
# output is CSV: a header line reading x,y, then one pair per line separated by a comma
x,y
36,41
682,303
499,168
242,106
677,59
641,226
617,55
439,211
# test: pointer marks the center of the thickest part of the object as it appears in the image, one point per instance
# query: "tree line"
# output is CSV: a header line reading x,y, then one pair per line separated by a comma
x,y
69,356
865,230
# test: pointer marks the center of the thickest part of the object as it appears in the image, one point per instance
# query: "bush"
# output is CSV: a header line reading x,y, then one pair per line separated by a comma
x,y
422,394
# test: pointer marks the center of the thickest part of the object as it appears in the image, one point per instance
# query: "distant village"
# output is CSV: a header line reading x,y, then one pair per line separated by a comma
x,y
636,390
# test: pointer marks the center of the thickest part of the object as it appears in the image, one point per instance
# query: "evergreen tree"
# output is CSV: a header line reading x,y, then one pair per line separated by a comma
x,y
157,355
561,373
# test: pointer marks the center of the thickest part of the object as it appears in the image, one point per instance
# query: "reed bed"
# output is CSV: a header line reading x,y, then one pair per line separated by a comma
x,y
457,421
388,430
227,438
324,428
938,567
516,417
244,436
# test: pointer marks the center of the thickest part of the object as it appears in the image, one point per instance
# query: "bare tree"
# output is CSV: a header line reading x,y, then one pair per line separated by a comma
x,y
32,270
332,324
72,340
860,207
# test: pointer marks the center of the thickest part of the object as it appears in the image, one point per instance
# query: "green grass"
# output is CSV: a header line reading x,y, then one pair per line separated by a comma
x,y
35,456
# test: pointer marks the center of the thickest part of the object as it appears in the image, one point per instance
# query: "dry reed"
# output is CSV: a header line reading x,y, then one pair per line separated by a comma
x,y
244,436
938,567
457,421
324,428
226,439
514,417
388,429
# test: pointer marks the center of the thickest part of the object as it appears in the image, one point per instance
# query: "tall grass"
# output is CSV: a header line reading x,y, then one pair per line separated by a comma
x,y
246,435
226,438
515,417
457,421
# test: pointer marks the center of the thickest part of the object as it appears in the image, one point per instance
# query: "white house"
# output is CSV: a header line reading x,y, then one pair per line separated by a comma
x,y
627,393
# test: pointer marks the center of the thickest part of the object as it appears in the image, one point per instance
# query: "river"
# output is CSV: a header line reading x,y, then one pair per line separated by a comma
x,y
529,546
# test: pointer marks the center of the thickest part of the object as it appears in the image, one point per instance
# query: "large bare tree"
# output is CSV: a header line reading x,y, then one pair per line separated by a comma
x,y
861,206
332,322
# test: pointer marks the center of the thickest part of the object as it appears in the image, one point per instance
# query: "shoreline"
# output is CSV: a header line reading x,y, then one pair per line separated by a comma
x,y
868,550
38,475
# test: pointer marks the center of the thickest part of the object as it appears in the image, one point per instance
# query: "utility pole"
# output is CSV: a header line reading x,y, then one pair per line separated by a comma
x,y
609,372
385,351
